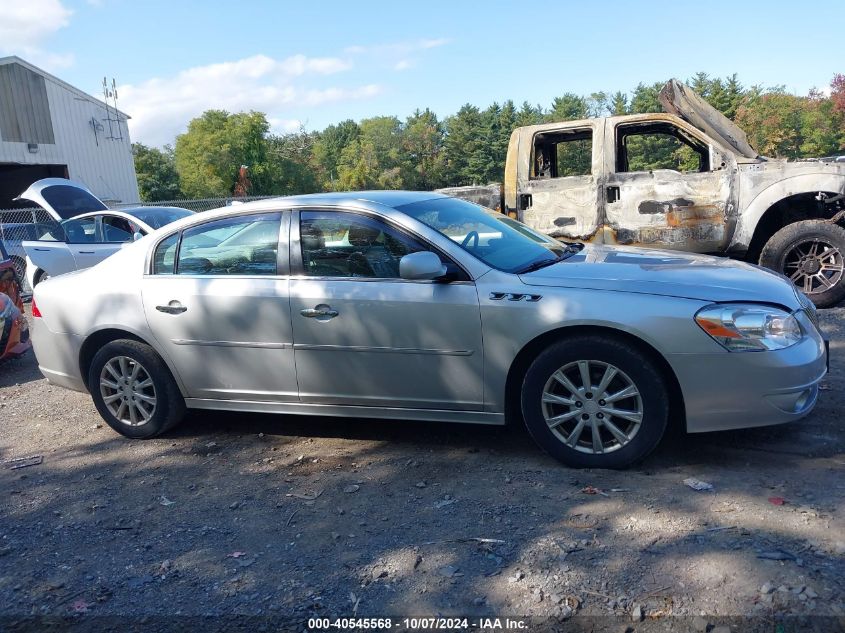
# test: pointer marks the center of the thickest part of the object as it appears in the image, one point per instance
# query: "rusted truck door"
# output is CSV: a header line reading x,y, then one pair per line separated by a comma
x,y
560,196
667,187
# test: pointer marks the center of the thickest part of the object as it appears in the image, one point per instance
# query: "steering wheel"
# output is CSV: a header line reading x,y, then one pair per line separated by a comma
x,y
472,236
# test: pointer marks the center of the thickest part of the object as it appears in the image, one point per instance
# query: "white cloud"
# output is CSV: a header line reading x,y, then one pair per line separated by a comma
x,y
397,56
161,107
25,26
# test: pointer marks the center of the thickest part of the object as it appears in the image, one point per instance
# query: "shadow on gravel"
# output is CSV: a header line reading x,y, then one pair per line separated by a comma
x,y
18,371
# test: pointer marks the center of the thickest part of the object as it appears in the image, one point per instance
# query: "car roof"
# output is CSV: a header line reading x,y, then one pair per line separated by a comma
x,y
385,198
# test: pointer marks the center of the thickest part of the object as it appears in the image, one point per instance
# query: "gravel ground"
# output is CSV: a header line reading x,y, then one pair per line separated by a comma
x,y
285,517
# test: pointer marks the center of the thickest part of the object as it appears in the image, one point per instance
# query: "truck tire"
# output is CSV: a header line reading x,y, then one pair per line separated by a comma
x,y
812,254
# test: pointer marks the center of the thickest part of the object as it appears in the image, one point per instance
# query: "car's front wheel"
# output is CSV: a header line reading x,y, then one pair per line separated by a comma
x,y
595,402
133,390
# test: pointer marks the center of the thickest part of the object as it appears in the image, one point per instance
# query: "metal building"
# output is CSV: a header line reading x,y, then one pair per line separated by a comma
x,y
49,128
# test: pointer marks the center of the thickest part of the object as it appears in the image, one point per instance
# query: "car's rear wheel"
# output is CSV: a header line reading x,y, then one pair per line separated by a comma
x,y
595,402
40,275
812,254
133,390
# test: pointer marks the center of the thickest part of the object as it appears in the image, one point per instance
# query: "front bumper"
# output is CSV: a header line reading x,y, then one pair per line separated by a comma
x,y
734,390
57,354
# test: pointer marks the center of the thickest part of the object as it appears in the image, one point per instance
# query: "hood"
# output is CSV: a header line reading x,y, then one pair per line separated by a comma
x,y
667,273
679,99
62,198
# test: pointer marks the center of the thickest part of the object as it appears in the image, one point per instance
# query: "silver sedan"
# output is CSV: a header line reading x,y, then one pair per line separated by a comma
x,y
418,306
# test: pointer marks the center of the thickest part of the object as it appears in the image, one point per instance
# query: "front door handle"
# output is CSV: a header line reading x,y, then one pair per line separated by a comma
x,y
86,252
322,312
174,307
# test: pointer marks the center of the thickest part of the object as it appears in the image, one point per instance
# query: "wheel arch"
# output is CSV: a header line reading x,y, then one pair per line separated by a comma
x,y
767,207
95,340
530,351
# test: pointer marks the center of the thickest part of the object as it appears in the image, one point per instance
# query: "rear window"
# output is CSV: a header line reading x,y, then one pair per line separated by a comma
x,y
69,201
157,218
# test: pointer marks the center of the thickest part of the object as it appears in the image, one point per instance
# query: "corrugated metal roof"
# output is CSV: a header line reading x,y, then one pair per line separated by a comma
x,y
14,59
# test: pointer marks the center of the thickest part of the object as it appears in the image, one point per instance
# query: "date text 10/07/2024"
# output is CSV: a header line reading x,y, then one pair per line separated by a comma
x,y
418,624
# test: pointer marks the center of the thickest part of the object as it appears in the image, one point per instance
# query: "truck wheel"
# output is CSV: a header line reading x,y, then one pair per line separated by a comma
x,y
594,402
812,254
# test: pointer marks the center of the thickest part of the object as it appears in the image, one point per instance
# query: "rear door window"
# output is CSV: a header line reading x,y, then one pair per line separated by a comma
x,y
243,245
81,231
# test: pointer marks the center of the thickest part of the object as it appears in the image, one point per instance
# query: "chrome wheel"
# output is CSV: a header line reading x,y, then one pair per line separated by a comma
x,y
592,406
814,266
128,391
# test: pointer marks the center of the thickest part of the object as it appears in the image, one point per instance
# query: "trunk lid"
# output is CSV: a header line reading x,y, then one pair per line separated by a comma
x,y
679,99
62,198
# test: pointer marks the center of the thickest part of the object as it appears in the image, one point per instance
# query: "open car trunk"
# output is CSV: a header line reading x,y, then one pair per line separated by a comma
x,y
679,99
62,198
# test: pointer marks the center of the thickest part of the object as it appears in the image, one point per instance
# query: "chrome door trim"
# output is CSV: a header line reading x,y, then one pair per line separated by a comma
x,y
257,344
382,350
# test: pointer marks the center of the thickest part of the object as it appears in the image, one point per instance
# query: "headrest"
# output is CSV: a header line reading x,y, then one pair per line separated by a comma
x,y
361,235
312,238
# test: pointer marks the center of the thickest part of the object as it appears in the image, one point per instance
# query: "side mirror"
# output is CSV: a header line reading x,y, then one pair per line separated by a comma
x,y
136,236
421,265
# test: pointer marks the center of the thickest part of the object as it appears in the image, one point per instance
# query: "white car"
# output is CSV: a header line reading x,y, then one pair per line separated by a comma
x,y
87,231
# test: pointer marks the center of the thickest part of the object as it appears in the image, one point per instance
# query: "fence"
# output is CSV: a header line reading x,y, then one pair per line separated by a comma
x,y
197,204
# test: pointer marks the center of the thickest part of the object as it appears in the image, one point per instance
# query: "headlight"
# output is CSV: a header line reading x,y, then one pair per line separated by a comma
x,y
747,327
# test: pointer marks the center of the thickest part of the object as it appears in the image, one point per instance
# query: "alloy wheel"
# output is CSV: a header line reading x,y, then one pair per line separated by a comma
x,y
592,406
128,391
814,266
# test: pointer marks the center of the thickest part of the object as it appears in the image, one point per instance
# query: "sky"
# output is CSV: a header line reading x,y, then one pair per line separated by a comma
x,y
312,64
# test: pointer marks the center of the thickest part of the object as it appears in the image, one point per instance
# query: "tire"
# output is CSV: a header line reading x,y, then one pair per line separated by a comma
x,y
40,275
141,420
790,251
549,421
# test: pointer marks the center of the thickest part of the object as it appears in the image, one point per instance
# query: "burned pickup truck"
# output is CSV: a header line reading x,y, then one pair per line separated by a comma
x,y
686,179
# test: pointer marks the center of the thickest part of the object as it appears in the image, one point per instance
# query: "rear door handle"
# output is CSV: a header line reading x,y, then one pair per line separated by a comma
x,y
322,312
174,307
86,252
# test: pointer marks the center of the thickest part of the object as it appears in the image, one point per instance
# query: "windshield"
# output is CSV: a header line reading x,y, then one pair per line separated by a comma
x,y
493,238
158,217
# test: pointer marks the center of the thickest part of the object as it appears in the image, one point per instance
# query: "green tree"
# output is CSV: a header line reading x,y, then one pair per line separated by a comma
x,y
156,173
291,166
328,148
217,143
424,152
618,103
568,107
464,147
773,121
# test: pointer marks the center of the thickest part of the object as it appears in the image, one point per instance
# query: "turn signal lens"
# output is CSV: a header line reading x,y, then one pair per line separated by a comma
x,y
748,327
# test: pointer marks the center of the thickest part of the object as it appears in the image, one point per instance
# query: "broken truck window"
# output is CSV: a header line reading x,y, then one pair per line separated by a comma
x,y
649,146
561,154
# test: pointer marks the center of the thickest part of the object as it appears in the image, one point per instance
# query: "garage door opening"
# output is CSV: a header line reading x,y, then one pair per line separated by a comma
x,y
15,178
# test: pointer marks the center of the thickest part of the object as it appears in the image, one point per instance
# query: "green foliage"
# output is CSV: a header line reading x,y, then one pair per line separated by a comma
x,y
156,172
470,147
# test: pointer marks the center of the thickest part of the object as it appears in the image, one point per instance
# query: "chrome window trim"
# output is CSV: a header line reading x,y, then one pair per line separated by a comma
x,y
282,258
